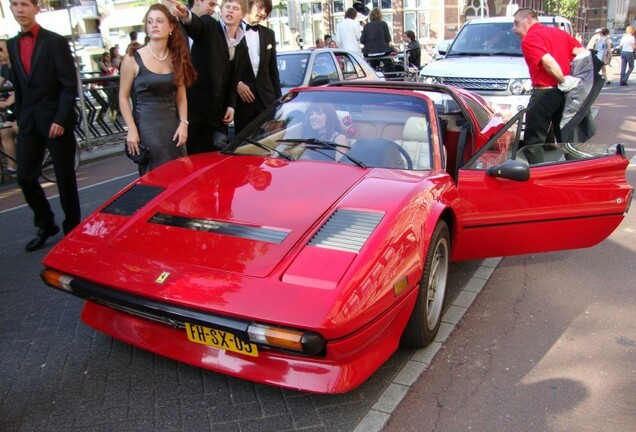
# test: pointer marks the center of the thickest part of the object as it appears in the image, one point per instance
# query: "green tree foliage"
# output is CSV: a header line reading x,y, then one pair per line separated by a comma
x,y
565,8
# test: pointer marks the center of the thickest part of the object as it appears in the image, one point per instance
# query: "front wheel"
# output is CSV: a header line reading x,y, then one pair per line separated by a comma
x,y
424,323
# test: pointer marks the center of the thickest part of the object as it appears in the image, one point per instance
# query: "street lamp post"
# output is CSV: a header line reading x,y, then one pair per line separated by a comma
x,y
69,6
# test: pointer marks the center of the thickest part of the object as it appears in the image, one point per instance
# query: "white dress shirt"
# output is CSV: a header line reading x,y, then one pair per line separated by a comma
x,y
253,48
348,34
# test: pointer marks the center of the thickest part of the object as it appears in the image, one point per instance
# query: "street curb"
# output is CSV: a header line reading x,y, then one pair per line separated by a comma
x,y
380,413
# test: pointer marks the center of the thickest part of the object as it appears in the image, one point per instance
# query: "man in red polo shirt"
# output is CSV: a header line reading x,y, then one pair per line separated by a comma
x,y
548,52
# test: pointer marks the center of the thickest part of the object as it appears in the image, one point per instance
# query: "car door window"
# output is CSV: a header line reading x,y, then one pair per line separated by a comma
x,y
348,67
499,148
324,65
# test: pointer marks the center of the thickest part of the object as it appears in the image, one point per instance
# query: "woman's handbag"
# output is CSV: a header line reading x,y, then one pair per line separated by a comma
x,y
140,159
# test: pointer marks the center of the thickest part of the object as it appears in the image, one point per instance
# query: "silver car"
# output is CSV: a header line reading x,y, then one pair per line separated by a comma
x,y
312,67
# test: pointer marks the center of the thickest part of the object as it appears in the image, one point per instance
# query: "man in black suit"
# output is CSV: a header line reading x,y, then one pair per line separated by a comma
x,y
45,83
259,84
217,55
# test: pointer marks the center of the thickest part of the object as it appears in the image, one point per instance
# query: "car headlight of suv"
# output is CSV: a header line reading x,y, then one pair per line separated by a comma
x,y
520,86
430,79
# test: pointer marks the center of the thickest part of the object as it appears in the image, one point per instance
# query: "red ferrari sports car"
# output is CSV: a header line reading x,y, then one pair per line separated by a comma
x,y
319,239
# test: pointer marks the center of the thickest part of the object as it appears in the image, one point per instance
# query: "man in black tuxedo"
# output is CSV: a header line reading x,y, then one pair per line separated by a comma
x,y
259,84
217,55
45,83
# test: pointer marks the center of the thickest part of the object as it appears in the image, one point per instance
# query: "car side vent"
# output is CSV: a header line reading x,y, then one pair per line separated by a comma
x,y
132,200
347,230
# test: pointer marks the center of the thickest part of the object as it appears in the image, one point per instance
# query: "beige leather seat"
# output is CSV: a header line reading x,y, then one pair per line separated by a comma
x,y
415,142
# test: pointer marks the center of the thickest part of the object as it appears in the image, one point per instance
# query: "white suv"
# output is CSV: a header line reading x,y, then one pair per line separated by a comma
x,y
486,58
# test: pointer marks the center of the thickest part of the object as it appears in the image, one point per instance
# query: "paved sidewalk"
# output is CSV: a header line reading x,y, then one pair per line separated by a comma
x,y
103,146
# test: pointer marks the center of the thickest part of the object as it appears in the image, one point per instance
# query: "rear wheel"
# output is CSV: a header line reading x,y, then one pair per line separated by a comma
x,y
48,173
427,314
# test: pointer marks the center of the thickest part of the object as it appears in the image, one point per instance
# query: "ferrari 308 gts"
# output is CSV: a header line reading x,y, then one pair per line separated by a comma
x,y
319,239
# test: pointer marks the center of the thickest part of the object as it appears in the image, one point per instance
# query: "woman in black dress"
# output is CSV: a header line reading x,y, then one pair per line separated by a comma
x,y
156,75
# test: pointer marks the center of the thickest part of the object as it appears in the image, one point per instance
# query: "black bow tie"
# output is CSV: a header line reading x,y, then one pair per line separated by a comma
x,y
249,27
26,34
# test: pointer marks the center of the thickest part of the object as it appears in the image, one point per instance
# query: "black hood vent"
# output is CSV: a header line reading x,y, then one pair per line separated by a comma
x,y
269,235
132,200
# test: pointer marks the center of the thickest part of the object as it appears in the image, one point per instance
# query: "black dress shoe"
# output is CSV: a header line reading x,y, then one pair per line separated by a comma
x,y
41,237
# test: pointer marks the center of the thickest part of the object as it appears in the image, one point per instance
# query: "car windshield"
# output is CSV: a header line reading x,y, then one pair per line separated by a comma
x,y
367,129
486,39
291,69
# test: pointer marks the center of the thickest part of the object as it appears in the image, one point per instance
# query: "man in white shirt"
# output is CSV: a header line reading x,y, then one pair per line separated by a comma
x,y
348,32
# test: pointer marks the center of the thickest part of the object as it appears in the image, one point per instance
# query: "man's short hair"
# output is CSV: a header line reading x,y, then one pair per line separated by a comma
x,y
410,34
243,3
351,13
525,13
133,36
267,4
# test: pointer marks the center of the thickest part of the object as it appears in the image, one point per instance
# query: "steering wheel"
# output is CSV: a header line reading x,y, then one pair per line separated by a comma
x,y
405,155
380,152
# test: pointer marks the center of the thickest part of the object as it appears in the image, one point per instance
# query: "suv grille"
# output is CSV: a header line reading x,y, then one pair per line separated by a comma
x,y
483,84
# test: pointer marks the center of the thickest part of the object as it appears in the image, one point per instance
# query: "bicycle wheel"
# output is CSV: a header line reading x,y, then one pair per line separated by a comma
x,y
48,173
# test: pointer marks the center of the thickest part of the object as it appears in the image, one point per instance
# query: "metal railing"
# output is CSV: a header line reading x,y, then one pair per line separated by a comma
x,y
99,116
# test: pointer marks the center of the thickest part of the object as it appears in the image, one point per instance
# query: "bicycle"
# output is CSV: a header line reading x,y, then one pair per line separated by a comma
x,y
48,173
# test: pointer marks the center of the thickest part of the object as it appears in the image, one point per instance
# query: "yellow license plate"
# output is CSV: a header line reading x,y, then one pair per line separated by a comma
x,y
220,339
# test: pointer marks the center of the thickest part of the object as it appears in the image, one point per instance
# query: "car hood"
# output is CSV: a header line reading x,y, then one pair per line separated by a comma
x,y
478,67
240,215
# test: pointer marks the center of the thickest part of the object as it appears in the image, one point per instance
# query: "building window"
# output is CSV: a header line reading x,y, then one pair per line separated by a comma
x,y
338,6
381,4
409,22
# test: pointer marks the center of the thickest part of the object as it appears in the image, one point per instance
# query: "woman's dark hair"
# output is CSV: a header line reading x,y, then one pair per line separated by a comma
x,y
333,123
183,70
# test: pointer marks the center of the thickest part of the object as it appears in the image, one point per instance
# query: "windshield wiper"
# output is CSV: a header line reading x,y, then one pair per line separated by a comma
x,y
315,143
264,147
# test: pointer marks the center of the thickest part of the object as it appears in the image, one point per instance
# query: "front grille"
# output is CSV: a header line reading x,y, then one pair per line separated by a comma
x,y
478,84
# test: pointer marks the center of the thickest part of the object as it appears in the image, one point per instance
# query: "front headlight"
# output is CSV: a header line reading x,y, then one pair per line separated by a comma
x,y
520,86
430,79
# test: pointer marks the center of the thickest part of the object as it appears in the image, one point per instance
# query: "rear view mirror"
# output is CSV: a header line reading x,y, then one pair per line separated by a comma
x,y
319,80
511,170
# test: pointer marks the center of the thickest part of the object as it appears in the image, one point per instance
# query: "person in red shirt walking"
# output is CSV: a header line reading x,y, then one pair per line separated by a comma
x,y
548,52
45,86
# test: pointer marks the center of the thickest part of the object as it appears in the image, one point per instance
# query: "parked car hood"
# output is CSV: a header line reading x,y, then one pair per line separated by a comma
x,y
252,211
478,67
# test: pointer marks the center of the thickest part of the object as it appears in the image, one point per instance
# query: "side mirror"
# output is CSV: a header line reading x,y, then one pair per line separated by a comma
x,y
511,170
319,81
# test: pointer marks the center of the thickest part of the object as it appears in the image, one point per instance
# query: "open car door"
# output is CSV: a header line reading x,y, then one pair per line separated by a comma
x,y
574,199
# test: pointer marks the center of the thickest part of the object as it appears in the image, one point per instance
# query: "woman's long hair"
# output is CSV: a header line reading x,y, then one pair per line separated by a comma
x,y
375,14
332,124
182,68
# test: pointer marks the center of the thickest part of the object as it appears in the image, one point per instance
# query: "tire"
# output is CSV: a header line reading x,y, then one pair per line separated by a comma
x,y
48,173
424,322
